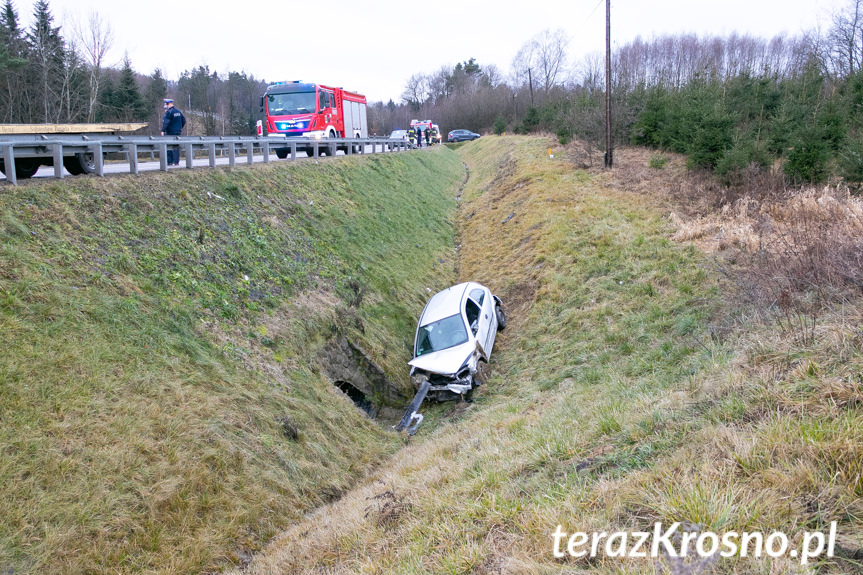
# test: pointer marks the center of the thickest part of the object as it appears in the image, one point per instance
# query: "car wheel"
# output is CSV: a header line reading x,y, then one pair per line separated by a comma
x,y
282,153
501,318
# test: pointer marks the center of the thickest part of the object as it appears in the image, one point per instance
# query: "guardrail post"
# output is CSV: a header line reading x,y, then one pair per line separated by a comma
x,y
190,156
9,164
266,147
250,153
98,160
232,154
163,156
293,150
58,160
350,149
315,150
133,159
212,149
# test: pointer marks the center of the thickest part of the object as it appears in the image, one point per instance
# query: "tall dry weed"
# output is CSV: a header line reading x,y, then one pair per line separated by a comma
x,y
791,253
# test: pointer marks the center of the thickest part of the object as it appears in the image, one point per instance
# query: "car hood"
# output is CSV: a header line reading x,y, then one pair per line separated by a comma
x,y
445,362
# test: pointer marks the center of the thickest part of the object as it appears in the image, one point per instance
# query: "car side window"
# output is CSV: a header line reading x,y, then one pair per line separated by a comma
x,y
477,295
472,312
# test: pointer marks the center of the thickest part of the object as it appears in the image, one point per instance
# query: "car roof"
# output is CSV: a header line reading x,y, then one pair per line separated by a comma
x,y
446,303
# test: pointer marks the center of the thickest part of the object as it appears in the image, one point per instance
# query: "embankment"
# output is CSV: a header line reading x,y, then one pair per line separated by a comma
x,y
162,405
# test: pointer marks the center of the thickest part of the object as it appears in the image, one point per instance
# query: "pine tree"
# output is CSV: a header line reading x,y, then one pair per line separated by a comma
x,y
128,102
106,112
47,49
12,62
157,90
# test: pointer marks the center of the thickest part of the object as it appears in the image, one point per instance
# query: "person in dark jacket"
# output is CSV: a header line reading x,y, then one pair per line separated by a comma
x,y
173,123
419,137
428,135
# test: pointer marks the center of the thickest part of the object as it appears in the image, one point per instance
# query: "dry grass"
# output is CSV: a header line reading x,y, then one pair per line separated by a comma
x,y
611,406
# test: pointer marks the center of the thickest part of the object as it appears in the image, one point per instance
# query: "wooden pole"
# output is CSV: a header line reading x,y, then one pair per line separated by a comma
x,y
609,158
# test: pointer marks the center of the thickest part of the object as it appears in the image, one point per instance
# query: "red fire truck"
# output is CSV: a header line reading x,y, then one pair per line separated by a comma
x,y
297,109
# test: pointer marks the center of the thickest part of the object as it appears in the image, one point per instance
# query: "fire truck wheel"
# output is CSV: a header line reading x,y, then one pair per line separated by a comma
x,y
282,153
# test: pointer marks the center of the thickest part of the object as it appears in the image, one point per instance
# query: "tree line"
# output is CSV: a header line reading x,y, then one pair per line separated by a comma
x,y
48,76
730,103
737,103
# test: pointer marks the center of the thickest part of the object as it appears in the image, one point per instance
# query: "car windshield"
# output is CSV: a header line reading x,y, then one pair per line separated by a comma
x,y
442,334
289,104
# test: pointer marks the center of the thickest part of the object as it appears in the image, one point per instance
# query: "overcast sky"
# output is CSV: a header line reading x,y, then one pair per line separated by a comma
x,y
373,47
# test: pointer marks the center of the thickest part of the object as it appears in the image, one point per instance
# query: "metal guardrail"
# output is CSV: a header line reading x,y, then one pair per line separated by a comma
x,y
55,147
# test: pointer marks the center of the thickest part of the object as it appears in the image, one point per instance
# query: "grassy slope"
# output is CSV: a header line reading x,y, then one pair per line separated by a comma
x,y
158,339
611,406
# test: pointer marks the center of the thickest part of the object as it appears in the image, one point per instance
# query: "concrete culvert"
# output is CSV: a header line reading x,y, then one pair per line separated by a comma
x,y
343,361
358,397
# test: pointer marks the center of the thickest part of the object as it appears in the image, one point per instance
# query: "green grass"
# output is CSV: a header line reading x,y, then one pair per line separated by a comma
x,y
159,336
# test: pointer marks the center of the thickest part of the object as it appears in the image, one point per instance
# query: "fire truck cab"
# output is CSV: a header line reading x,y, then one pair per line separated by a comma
x,y
297,109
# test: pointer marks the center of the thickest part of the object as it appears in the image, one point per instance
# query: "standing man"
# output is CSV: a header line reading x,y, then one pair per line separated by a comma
x,y
173,123
419,137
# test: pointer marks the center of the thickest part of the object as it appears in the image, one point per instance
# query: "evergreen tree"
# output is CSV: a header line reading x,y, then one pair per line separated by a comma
x,y
46,62
12,62
127,99
107,111
157,90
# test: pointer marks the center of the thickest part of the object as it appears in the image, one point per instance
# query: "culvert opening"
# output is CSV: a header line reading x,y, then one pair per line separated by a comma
x,y
358,397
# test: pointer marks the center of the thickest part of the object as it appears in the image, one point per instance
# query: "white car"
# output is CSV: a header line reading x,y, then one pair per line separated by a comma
x,y
454,340
398,135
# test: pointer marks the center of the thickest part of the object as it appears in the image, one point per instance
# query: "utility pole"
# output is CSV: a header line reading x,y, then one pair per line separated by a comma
x,y
609,159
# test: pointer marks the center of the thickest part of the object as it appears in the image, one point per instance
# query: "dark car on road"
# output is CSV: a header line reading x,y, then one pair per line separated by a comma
x,y
461,136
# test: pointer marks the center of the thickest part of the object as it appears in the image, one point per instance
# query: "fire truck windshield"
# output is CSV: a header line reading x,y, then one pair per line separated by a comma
x,y
289,104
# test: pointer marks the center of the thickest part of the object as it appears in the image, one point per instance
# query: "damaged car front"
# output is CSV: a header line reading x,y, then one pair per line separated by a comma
x,y
454,340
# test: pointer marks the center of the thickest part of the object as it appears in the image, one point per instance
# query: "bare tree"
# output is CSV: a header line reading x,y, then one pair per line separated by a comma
x,y
523,66
845,39
541,61
417,90
95,41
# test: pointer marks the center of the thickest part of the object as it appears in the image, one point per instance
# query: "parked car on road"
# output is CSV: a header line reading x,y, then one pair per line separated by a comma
x,y
398,135
454,339
461,136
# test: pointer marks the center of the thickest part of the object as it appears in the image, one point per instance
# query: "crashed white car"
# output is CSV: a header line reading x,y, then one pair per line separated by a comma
x,y
454,340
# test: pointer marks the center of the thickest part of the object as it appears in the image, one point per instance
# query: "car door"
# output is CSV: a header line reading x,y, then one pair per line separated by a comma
x,y
486,319
490,319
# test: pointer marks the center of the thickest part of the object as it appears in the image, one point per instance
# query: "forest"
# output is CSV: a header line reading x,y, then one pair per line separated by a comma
x,y
734,105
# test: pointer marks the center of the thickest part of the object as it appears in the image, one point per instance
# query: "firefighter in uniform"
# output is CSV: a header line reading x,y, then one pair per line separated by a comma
x,y
412,135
